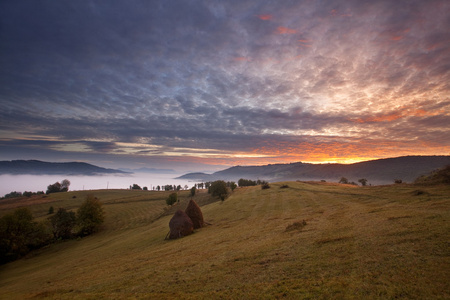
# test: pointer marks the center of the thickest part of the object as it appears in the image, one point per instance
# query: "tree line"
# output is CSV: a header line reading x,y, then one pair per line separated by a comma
x,y
20,233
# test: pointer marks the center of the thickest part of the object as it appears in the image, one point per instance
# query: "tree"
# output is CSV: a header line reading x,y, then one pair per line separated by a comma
x,y
193,190
13,195
363,181
343,180
65,185
19,234
58,187
219,189
90,215
232,185
62,223
246,182
54,188
145,188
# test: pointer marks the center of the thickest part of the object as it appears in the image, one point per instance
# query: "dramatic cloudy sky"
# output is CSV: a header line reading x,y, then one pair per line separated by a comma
x,y
209,84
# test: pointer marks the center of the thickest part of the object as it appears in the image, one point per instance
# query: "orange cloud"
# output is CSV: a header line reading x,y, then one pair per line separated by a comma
x,y
406,111
399,35
341,151
304,43
396,38
265,17
375,119
285,30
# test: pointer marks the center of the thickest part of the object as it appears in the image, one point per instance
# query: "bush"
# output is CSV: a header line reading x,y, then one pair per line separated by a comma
x,y
363,181
62,223
173,197
90,216
343,180
398,181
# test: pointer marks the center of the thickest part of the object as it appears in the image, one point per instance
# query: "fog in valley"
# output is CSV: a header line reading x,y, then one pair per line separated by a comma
x,y
34,183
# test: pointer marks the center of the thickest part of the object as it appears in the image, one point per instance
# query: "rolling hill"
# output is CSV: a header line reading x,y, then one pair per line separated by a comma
x,y
36,167
380,171
305,241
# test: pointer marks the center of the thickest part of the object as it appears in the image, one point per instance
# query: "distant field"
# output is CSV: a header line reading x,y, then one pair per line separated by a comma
x,y
356,242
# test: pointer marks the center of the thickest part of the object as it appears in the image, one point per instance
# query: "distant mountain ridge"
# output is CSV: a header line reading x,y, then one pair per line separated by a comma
x,y
37,167
380,171
149,170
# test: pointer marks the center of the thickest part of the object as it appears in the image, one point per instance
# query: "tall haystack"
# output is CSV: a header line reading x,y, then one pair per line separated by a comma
x,y
180,225
195,213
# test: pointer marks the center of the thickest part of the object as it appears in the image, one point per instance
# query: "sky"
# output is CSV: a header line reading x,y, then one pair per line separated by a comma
x,y
205,85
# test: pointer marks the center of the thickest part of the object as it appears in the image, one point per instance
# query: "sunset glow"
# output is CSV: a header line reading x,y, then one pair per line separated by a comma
x,y
206,85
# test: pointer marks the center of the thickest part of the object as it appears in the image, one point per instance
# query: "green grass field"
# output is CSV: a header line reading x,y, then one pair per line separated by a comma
x,y
381,242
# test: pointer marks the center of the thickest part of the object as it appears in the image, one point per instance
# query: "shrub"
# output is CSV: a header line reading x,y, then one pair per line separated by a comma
x,y
265,186
343,180
284,186
90,216
51,210
296,226
398,181
363,181
172,199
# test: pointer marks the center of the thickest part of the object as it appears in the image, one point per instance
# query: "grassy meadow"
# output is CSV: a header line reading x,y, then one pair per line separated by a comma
x,y
306,241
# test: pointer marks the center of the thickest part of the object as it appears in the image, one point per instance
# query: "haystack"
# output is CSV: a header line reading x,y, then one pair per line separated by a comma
x,y
195,213
180,225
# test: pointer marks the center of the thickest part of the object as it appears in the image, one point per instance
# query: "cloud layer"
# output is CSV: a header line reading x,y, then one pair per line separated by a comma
x,y
224,82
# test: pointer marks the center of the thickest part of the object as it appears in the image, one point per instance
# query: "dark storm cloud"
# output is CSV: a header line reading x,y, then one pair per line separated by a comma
x,y
220,75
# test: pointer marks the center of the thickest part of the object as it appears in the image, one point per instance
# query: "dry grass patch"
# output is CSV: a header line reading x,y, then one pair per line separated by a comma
x,y
363,243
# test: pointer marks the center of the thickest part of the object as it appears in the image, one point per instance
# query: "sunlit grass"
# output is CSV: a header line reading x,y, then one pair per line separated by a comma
x,y
362,243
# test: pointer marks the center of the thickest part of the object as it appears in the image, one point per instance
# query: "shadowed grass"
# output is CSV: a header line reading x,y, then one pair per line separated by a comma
x,y
363,243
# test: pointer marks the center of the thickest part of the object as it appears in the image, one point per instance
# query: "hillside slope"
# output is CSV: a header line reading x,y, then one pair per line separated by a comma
x,y
374,242
380,171
37,167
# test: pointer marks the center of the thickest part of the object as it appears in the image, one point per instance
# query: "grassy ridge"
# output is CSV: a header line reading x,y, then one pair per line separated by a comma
x,y
373,242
